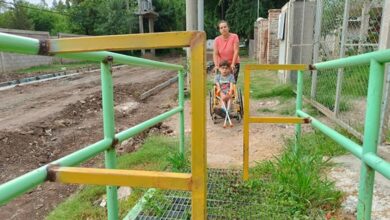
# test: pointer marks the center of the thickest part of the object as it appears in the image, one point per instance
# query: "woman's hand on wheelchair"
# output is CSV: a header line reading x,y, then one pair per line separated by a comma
x,y
215,69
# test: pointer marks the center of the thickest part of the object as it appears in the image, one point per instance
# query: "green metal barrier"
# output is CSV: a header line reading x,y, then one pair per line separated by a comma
x,y
26,182
368,152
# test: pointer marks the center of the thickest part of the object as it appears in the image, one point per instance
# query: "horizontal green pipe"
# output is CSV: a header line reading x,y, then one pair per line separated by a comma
x,y
378,164
28,181
380,56
146,124
18,44
25,45
120,59
351,146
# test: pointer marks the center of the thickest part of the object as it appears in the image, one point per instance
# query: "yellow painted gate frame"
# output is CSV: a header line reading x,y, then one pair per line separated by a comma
x,y
250,119
197,180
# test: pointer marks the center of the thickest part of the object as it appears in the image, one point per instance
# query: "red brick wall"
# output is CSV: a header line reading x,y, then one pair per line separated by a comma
x,y
262,43
273,42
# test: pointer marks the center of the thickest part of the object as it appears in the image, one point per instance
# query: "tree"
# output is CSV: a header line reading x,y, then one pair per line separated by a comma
x,y
5,19
117,18
47,20
61,7
19,18
171,15
239,14
86,16
43,3
54,4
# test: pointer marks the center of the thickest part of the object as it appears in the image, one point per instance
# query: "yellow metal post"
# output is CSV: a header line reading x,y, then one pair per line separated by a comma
x,y
198,140
284,120
276,67
246,124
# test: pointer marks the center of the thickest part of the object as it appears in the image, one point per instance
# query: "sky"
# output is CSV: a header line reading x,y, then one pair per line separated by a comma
x,y
49,2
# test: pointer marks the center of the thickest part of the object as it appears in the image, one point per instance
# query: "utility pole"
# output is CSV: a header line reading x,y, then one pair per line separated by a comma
x,y
191,24
141,23
200,15
191,15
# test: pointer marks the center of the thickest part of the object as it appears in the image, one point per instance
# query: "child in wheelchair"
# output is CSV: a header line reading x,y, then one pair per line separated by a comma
x,y
224,86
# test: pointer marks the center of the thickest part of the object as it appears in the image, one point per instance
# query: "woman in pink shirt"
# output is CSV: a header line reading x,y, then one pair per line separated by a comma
x,y
226,47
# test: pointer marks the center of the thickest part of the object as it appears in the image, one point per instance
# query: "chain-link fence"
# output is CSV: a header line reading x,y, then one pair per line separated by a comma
x,y
342,28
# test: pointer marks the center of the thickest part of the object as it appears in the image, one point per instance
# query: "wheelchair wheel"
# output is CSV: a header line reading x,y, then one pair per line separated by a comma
x,y
239,118
211,103
241,103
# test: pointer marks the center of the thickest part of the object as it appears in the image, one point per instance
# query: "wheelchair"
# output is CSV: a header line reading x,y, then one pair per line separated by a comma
x,y
236,107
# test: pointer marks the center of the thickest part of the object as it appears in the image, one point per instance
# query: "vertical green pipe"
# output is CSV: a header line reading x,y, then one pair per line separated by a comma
x,y
370,140
181,115
109,133
298,107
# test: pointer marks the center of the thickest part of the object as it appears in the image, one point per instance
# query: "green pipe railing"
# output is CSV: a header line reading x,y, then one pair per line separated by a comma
x,y
348,144
379,164
35,177
26,182
109,132
121,136
370,139
380,56
367,154
181,105
298,105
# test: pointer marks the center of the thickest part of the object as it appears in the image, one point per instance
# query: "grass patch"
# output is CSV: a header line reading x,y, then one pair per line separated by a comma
x,y
264,110
283,91
57,67
157,153
287,110
296,179
355,84
265,84
292,186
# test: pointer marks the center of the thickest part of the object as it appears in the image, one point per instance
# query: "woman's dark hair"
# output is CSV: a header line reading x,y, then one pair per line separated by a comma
x,y
222,21
224,63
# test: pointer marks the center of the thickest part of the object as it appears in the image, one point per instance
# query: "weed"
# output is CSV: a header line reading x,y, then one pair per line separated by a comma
x,y
179,162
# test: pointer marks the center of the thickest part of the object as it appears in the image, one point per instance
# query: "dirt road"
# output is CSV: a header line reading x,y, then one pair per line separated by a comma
x,y
42,122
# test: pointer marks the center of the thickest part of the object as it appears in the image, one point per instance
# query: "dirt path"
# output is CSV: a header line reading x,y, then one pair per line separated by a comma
x,y
224,146
42,122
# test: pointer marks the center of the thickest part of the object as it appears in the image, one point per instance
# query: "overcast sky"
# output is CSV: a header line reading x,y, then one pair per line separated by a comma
x,y
49,2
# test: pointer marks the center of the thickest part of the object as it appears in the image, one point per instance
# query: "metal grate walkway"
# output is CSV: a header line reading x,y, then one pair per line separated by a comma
x,y
227,199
